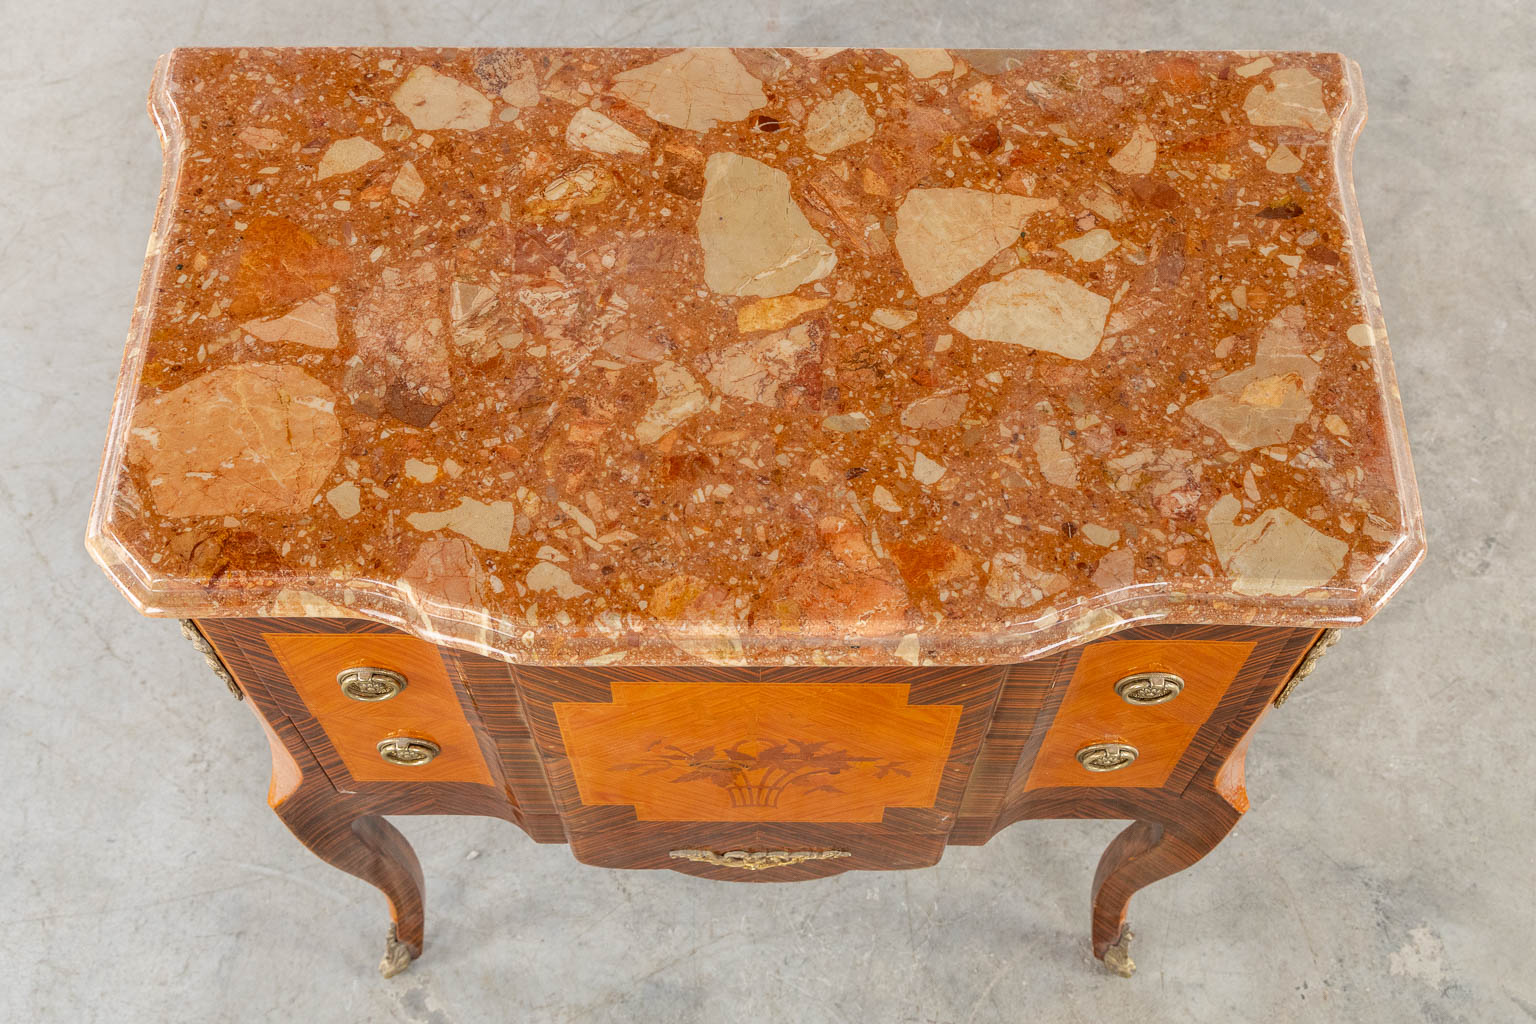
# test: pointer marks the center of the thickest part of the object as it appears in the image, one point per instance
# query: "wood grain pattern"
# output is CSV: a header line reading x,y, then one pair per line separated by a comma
x,y
428,707
614,835
758,751
1009,725
1091,711
490,687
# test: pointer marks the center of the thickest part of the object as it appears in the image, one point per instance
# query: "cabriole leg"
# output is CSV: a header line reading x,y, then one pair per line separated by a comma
x,y
370,848
1139,856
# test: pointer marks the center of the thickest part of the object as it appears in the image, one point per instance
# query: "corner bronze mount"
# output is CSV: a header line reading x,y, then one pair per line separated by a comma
x,y
1117,958
1327,640
397,955
196,639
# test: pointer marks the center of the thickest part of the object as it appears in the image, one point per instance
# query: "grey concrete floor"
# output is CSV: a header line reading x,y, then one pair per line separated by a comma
x,y
1385,872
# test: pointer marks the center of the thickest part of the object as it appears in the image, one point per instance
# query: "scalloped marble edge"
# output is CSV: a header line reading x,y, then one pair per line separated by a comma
x,y
258,595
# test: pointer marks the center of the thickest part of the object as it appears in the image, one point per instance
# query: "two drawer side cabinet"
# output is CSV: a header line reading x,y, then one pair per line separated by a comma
x,y
764,463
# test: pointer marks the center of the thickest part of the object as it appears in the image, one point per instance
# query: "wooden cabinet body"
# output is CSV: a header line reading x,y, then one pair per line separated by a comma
x,y
758,774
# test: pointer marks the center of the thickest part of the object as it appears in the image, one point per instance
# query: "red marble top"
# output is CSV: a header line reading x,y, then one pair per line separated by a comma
x,y
765,356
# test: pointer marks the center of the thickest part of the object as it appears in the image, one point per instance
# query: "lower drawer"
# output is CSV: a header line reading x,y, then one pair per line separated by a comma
x,y
776,852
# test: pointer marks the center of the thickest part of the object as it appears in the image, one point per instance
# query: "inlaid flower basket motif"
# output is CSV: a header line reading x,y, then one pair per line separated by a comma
x,y
757,752
759,779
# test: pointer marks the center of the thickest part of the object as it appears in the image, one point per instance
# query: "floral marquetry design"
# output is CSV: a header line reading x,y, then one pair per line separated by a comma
x,y
758,752
760,778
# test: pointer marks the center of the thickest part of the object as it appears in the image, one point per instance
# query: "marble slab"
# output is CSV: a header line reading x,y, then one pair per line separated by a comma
x,y
758,356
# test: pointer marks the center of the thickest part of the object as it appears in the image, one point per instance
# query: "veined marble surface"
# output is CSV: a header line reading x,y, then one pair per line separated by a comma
x,y
796,355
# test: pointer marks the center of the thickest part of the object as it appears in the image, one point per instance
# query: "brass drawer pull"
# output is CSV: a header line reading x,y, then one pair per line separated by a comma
x,y
756,861
370,684
1106,757
1147,688
408,751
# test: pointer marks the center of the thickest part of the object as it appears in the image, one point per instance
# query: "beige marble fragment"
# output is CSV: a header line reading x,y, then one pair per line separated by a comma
x,y
599,133
1056,463
893,319
345,498
1090,247
1103,536
942,234
587,185
692,89
421,472
436,102
756,241
1277,554
1013,583
846,423
346,155
1037,309
817,52
260,138
312,323
755,369
1138,155
1104,205
488,524
305,604
838,122
883,498
927,471
1117,569
678,397
1283,161
546,576
936,411
1265,402
1294,99
923,62
446,572
1254,67
246,439
408,184
468,300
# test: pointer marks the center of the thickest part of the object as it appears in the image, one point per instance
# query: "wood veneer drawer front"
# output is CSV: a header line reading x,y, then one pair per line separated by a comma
x,y
1092,712
763,745
428,708
813,849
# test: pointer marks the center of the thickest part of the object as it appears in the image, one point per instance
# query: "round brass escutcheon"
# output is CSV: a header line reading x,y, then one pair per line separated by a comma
x,y
1147,688
1106,757
408,751
370,684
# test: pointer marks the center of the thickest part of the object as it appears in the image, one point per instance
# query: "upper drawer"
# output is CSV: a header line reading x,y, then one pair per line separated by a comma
x,y
428,708
1092,712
